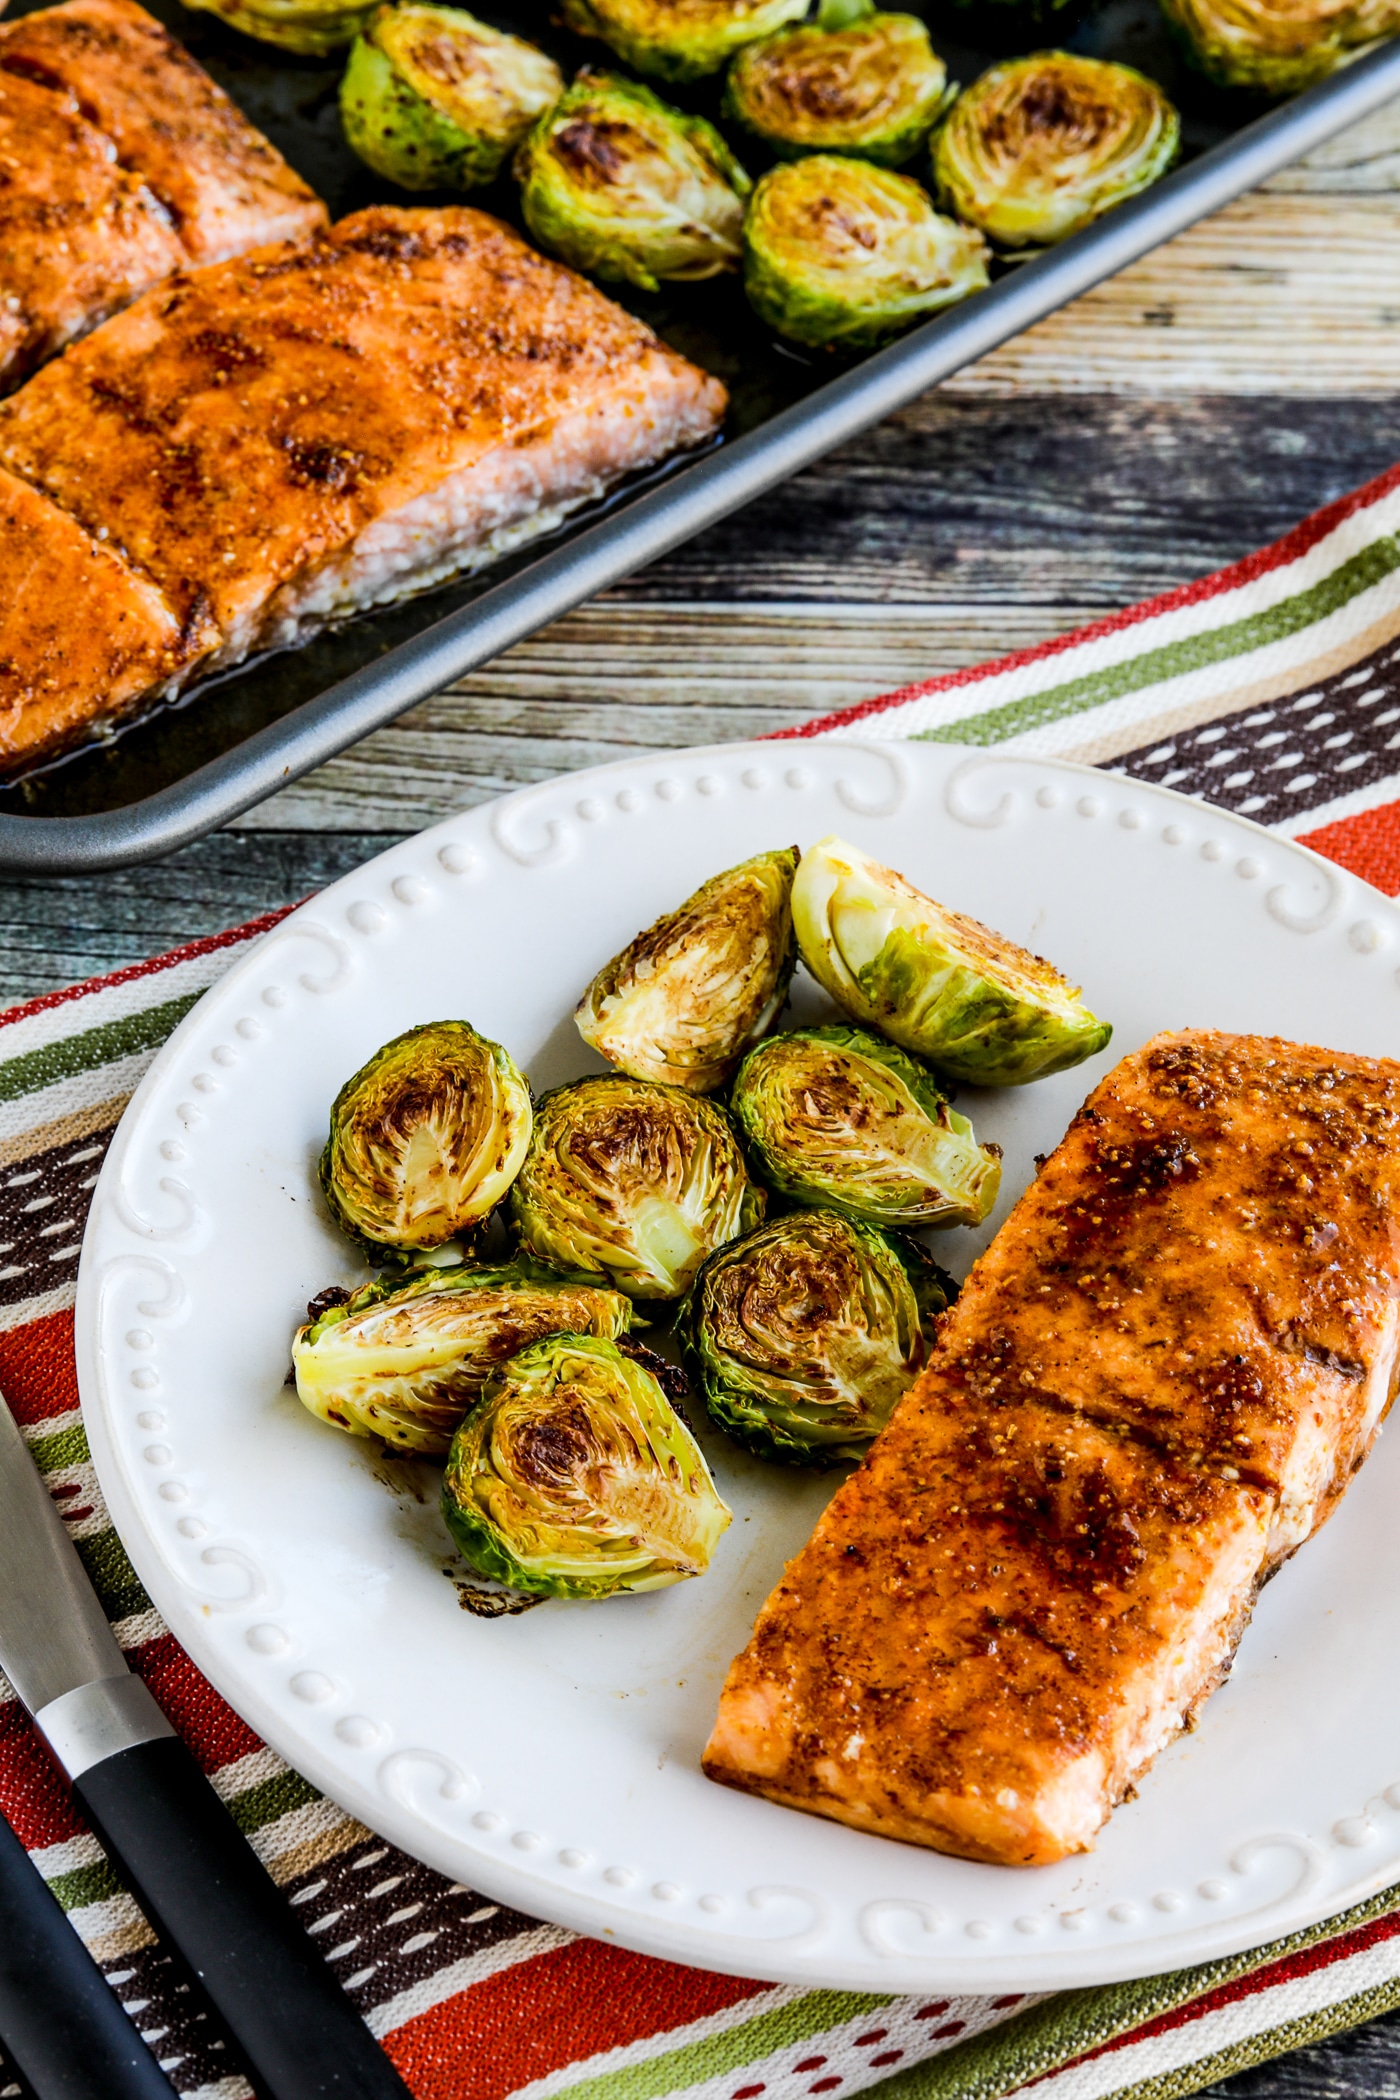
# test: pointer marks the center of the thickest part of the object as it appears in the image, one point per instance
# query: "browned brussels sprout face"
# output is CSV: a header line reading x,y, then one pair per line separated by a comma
x,y
802,1337
434,99
853,82
678,39
941,985
576,1477
839,1119
404,1361
684,1000
622,185
843,255
1040,147
631,1184
1277,47
311,26
425,1139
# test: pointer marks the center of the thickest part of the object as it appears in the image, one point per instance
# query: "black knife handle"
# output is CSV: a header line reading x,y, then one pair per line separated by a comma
x,y
61,2023
201,1885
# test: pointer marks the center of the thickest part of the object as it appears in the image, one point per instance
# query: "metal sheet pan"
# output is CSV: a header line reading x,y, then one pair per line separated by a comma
x,y
186,770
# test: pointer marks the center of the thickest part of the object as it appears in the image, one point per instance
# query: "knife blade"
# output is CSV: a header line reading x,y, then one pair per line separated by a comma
x,y
165,1829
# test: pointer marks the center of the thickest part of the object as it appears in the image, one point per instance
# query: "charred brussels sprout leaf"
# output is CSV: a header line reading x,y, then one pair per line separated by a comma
x,y
1277,46
685,1000
678,39
838,1119
841,254
802,1337
1039,147
405,1361
632,1184
575,1477
853,82
941,985
296,25
620,184
434,99
425,1139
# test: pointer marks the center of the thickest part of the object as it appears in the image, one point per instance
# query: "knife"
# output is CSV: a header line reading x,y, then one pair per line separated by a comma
x,y
62,2026
158,1819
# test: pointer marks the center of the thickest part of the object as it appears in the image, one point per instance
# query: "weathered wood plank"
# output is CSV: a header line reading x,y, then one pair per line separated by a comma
x,y
56,930
1364,157
614,681
1287,293
1035,500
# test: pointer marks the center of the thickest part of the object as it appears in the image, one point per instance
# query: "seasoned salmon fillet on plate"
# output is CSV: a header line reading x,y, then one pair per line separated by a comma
x,y
280,441
1155,1385
120,162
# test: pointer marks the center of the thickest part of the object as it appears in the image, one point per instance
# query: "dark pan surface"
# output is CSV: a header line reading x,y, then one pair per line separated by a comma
x,y
294,101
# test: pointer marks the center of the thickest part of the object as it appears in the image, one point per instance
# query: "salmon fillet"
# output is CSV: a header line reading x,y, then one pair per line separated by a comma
x,y
1154,1386
224,186
79,236
286,439
75,619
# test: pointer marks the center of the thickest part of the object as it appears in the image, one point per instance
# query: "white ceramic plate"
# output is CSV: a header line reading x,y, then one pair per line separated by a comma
x,y
552,1760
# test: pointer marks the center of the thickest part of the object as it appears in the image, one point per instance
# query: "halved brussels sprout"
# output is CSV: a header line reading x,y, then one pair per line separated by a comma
x,y
425,1139
294,25
405,1361
632,1184
838,1119
842,254
678,39
1039,147
852,82
685,1000
1277,46
802,1337
620,184
939,984
434,99
575,1477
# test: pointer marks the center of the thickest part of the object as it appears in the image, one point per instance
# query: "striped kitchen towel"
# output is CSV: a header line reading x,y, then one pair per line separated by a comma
x,y
1272,688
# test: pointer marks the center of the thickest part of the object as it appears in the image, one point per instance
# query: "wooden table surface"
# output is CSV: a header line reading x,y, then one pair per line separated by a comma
x,y
1171,421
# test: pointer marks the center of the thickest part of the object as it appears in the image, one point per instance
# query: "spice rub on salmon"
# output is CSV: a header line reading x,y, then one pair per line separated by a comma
x,y
74,619
224,187
282,440
1155,1385
120,162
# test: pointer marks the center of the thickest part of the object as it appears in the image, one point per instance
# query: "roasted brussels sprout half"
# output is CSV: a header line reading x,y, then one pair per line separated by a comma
x,y
405,1361
632,1184
425,1139
839,1119
1039,147
434,99
1277,46
852,82
685,1000
295,25
941,985
841,254
678,39
620,184
801,1338
575,1477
